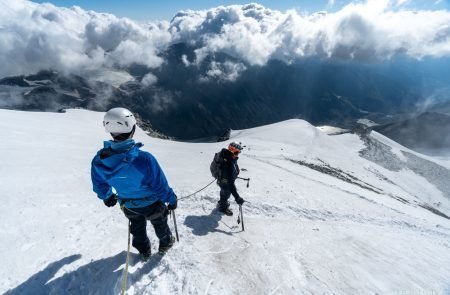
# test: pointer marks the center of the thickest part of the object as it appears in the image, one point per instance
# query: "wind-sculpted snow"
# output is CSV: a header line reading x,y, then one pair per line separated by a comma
x,y
434,173
335,172
41,36
381,154
318,217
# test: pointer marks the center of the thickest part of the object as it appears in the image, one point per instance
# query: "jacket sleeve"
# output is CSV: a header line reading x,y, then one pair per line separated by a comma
x,y
158,182
99,184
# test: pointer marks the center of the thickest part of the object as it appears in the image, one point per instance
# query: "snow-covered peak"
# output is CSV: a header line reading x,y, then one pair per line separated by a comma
x,y
325,214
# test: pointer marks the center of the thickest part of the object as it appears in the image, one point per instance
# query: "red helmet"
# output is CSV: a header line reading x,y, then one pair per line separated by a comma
x,y
235,147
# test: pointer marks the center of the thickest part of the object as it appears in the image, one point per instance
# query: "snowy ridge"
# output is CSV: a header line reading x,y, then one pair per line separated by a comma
x,y
325,215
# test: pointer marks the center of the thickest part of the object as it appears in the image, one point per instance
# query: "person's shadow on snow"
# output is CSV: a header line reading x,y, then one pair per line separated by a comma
x,y
201,225
97,277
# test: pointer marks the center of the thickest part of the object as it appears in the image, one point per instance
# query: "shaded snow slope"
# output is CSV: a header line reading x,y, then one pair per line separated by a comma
x,y
326,215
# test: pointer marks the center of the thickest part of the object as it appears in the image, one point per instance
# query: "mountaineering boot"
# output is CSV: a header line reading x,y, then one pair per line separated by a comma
x,y
163,250
224,208
146,255
226,211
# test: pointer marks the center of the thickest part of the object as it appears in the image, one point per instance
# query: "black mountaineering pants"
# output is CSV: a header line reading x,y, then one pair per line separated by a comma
x,y
225,194
157,214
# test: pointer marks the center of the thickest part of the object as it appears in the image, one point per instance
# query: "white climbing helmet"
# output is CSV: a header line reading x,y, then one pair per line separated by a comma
x,y
118,121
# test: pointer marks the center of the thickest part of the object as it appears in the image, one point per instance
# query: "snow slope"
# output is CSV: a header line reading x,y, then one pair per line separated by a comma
x,y
325,215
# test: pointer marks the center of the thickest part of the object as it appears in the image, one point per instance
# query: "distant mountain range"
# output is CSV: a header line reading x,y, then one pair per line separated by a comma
x,y
314,90
428,132
188,100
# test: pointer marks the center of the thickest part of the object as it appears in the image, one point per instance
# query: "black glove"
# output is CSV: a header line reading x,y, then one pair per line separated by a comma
x,y
173,206
239,200
111,201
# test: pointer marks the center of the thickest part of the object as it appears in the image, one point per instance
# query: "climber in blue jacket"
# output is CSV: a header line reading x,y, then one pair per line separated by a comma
x,y
122,173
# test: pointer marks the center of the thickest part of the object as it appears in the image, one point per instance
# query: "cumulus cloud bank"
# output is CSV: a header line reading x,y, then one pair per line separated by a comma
x,y
366,31
41,36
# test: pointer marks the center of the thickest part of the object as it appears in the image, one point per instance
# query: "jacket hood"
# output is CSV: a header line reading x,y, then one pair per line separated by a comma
x,y
115,155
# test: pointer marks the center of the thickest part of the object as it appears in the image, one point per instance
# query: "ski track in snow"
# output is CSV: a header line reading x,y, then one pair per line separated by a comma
x,y
307,232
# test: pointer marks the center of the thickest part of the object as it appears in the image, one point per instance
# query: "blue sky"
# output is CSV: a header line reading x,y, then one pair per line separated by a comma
x,y
165,10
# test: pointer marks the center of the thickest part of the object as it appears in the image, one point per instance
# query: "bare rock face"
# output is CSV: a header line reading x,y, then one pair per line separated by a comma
x,y
49,91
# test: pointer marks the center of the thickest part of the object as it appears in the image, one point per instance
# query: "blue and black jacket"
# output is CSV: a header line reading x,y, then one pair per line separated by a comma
x,y
135,175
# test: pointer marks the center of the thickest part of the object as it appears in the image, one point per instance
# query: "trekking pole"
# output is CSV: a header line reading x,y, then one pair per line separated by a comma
x,y
242,217
175,224
125,274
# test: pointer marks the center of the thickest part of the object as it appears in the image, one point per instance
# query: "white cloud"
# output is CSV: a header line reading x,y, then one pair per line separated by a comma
x,y
162,100
221,72
330,3
364,31
185,60
402,2
41,36
149,79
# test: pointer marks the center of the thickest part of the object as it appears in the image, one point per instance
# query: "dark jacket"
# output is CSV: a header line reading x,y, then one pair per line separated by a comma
x,y
229,173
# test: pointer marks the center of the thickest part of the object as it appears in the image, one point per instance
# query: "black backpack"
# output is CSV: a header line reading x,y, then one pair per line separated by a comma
x,y
216,166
